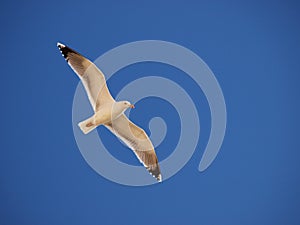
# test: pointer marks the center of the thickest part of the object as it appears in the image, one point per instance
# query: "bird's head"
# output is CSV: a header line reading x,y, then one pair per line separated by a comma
x,y
120,107
126,104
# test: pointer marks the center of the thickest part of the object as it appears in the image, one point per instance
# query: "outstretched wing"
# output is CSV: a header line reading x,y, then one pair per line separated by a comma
x,y
91,77
136,139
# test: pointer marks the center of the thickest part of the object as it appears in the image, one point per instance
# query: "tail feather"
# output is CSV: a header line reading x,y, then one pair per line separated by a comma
x,y
87,125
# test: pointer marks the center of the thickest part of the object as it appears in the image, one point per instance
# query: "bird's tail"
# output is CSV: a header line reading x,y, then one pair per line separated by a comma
x,y
87,125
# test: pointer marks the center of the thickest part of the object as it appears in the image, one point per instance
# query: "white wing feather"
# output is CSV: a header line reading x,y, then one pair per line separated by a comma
x,y
91,77
137,140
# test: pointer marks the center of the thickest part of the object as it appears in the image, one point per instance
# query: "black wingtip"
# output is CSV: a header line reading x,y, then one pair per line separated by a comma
x,y
159,178
155,172
65,50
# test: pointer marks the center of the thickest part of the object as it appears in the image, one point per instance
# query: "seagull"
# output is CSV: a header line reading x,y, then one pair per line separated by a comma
x,y
110,113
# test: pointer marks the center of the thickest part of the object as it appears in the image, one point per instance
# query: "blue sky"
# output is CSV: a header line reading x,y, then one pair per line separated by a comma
x,y
253,50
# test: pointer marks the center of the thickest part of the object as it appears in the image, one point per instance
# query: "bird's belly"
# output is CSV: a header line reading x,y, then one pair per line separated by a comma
x,y
105,115
102,117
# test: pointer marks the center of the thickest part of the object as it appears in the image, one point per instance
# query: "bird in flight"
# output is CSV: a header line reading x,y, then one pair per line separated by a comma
x,y
110,113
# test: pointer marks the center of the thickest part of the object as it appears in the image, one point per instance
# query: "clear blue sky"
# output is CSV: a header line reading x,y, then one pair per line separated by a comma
x,y
253,49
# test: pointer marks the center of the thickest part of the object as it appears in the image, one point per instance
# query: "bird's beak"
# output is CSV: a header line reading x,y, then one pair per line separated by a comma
x,y
131,106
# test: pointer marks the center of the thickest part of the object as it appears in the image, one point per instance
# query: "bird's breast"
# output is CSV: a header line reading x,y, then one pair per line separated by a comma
x,y
107,114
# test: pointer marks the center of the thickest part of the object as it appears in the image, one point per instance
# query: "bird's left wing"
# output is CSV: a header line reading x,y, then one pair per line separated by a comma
x,y
91,77
136,139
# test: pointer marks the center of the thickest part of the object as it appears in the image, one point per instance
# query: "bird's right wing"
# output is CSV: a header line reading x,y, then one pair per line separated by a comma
x,y
136,139
91,77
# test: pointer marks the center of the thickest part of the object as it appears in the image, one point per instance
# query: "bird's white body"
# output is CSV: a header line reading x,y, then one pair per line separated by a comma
x,y
105,114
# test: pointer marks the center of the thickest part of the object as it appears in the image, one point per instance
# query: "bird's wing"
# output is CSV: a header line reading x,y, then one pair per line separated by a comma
x,y
91,77
136,139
